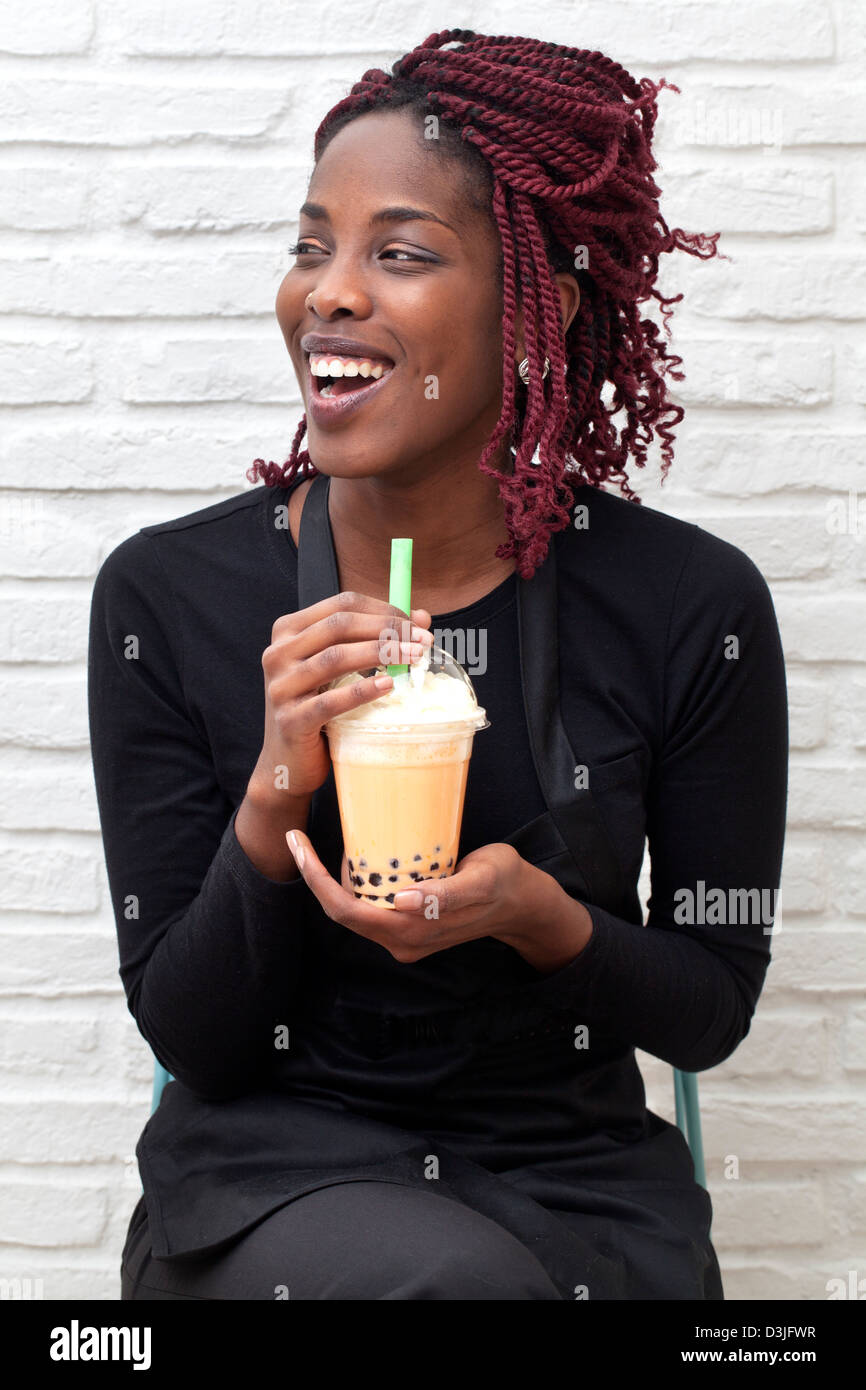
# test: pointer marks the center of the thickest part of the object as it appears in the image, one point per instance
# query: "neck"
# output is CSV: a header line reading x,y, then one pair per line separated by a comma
x,y
455,518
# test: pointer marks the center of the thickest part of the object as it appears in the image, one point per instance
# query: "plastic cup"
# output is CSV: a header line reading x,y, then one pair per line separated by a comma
x,y
401,789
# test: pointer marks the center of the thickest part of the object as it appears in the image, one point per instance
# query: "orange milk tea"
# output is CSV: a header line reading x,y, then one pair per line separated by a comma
x,y
400,767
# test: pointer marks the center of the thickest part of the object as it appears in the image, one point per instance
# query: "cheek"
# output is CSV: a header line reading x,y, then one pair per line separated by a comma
x,y
289,302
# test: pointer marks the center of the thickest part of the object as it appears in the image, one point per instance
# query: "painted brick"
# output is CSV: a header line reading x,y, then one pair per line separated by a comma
x,y
47,790
745,1210
725,462
826,796
804,1128
778,1043
112,112
44,198
90,1128
182,457
214,27
771,200
32,372
44,27
788,371
212,369
773,115
48,711
819,959
234,283
757,284
804,875
43,630
807,714
238,195
46,1214
72,886
48,545
854,1041
817,629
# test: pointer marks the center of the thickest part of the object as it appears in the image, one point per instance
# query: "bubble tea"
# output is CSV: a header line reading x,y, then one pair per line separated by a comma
x,y
400,766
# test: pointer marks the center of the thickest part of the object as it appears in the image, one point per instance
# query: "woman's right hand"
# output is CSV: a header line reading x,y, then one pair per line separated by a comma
x,y
308,650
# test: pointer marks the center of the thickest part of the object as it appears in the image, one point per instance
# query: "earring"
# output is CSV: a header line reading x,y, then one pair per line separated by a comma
x,y
523,369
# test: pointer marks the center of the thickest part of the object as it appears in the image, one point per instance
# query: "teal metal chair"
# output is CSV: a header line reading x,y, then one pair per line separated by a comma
x,y
685,1096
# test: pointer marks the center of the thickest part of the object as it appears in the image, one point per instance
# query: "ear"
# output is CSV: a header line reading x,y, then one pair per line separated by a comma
x,y
569,302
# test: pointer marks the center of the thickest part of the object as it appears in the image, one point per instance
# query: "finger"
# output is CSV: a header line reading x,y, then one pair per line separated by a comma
x,y
345,627
470,885
347,601
305,677
375,923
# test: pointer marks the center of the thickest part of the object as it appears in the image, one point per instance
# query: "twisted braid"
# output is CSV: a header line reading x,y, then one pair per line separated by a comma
x,y
558,143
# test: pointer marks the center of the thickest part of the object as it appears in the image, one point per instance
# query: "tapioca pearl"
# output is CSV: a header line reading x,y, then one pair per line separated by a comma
x,y
393,878
358,880
362,863
375,880
394,863
351,866
438,849
389,897
416,858
434,866
443,875
450,862
358,895
374,897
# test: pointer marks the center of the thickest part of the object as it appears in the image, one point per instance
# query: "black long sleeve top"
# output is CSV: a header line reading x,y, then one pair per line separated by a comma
x,y
672,688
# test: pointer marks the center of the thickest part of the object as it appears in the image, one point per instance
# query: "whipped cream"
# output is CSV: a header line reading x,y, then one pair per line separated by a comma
x,y
418,696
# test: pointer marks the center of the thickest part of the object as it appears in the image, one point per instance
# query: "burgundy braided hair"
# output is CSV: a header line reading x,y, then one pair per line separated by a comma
x,y
557,143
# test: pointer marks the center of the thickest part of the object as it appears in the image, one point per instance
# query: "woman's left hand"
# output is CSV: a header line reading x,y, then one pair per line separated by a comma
x,y
493,891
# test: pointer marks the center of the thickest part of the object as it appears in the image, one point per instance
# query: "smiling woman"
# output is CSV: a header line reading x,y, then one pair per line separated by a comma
x,y
442,1100
536,231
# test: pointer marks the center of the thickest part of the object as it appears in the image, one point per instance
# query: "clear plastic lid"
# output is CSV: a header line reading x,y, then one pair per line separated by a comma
x,y
405,705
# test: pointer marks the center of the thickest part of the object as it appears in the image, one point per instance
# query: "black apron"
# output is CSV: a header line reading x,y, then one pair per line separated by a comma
x,y
212,1170
574,843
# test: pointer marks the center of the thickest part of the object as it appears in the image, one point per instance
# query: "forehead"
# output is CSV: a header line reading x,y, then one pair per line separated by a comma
x,y
383,157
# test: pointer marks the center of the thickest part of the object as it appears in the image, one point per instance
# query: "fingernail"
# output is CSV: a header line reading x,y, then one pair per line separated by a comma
x,y
295,847
382,682
408,899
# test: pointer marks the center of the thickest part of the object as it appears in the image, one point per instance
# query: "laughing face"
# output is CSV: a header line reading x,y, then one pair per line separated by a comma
x,y
394,293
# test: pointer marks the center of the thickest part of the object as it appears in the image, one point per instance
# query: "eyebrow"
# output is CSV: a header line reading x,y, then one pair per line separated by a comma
x,y
318,213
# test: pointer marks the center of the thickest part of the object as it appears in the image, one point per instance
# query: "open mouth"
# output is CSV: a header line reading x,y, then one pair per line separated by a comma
x,y
331,386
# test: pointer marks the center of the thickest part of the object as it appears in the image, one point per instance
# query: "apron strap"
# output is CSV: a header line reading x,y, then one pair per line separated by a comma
x,y
573,810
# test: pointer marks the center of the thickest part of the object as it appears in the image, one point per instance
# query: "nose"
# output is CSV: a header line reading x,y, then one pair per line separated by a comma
x,y
339,289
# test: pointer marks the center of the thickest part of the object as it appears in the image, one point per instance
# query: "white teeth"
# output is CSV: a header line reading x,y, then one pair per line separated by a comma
x,y
337,367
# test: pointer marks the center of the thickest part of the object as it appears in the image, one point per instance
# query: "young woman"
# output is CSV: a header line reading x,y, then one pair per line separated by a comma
x,y
445,1105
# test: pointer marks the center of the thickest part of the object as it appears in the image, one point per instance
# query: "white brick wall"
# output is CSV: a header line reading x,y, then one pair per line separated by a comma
x,y
152,157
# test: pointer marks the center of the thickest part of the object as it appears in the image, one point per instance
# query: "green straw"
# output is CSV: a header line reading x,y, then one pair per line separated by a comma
x,y
400,592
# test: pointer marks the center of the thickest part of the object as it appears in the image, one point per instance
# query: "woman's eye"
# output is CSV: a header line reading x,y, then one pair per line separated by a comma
x,y
302,248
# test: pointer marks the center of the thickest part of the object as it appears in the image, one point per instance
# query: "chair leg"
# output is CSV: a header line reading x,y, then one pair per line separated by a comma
x,y
689,1119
